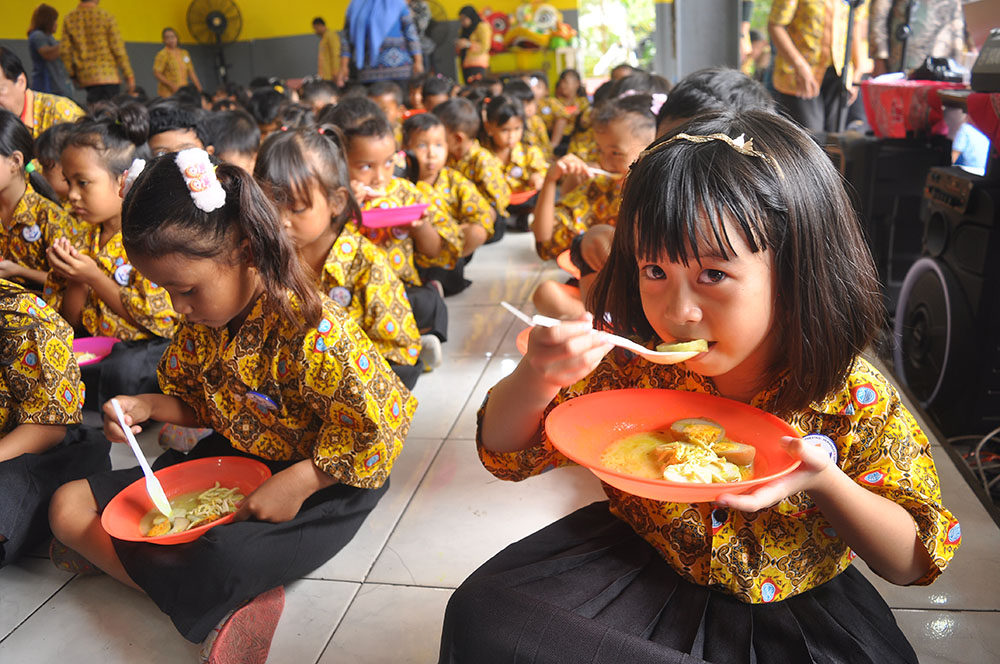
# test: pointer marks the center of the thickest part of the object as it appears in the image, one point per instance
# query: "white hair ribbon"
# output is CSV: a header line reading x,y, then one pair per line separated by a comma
x,y
199,176
133,172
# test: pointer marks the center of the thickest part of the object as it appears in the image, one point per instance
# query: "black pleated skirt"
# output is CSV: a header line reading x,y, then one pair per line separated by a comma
x,y
588,589
429,311
197,583
129,369
27,483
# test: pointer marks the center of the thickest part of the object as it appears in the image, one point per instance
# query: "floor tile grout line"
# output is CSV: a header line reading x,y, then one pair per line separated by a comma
x,y
38,608
339,623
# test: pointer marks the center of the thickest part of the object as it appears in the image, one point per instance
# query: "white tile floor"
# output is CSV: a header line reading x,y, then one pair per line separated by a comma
x,y
382,598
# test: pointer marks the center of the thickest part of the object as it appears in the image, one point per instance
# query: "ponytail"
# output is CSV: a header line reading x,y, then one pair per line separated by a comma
x,y
118,134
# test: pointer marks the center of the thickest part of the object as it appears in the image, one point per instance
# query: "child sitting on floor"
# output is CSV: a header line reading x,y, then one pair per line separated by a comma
x,y
524,166
281,373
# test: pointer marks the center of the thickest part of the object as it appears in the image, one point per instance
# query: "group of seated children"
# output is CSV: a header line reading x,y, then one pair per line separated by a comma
x,y
258,315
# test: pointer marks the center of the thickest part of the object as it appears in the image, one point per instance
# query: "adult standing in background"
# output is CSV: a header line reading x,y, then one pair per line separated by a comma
x,y
937,29
381,37
172,66
93,52
328,64
47,71
810,37
37,110
473,44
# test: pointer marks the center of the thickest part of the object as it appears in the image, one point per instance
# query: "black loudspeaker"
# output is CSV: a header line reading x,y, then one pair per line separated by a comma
x,y
885,180
947,323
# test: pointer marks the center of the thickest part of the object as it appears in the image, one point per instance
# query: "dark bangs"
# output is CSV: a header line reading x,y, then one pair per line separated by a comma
x,y
283,170
676,202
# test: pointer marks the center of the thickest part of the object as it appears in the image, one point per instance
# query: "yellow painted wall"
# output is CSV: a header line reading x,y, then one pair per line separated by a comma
x,y
143,20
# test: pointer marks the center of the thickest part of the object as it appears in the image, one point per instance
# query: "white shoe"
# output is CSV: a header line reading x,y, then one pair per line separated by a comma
x,y
430,351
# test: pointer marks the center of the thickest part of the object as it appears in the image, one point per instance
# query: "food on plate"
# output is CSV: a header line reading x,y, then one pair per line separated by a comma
x,y
84,357
191,510
691,450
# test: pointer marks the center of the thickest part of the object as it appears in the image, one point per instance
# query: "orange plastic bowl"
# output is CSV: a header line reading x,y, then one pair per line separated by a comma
x,y
582,428
566,263
522,197
122,515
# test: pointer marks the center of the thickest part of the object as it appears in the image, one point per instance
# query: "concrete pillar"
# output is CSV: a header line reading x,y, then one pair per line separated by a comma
x,y
694,34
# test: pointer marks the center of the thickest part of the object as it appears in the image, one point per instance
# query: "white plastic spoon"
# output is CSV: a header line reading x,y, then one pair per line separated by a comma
x,y
153,487
654,356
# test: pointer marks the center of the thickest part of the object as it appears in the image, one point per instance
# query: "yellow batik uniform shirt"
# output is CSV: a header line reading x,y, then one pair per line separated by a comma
x,y
818,28
283,393
41,384
536,134
357,276
486,172
328,60
396,242
524,162
583,143
48,109
594,202
175,66
36,223
789,548
551,109
92,49
456,195
147,303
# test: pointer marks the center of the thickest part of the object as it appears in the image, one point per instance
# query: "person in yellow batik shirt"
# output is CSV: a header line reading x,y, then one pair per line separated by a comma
x,y
37,110
279,372
30,221
432,240
328,59
770,570
473,45
93,283
810,39
462,123
524,166
40,397
94,53
305,174
424,140
172,66
535,133
582,223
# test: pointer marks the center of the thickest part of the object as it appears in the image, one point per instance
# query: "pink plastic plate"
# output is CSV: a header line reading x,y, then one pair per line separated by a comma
x,y
397,216
99,346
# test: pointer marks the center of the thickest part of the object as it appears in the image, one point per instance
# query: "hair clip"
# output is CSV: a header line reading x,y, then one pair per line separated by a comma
x,y
658,100
279,89
321,131
741,144
30,168
131,174
200,179
283,128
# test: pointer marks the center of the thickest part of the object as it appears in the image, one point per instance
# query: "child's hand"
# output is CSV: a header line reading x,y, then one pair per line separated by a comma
x,y
816,464
360,191
9,269
596,245
567,165
70,263
277,500
425,218
562,355
135,409
537,180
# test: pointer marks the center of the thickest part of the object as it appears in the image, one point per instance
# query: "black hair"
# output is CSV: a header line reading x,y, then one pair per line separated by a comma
x,y
566,73
636,108
502,109
358,116
49,144
187,95
756,36
682,199
170,115
477,94
381,88
623,66
233,131
290,161
519,90
640,82
416,82
318,21
11,65
224,104
714,89
15,137
419,122
291,115
264,105
437,85
469,12
459,115
160,218
318,89
603,92
118,134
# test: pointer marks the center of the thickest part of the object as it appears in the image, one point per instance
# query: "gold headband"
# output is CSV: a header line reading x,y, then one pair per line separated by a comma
x,y
740,144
